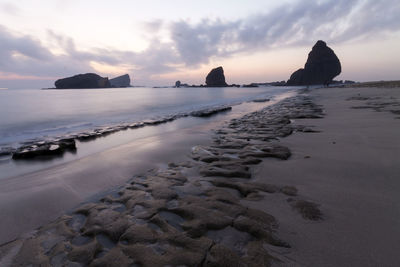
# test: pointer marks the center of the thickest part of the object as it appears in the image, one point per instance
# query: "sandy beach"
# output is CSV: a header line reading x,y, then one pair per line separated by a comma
x,y
351,168
311,181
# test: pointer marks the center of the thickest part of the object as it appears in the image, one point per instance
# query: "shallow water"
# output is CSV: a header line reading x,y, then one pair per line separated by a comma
x,y
40,114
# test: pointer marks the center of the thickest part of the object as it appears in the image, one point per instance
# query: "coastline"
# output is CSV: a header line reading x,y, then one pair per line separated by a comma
x,y
31,199
176,187
45,139
222,204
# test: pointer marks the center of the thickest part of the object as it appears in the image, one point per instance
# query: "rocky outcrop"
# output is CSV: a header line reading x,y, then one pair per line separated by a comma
x,y
87,80
178,84
216,78
321,67
121,81
192,213
45,149
210,111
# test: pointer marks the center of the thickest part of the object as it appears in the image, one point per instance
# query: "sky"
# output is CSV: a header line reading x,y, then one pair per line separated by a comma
x,y
158,42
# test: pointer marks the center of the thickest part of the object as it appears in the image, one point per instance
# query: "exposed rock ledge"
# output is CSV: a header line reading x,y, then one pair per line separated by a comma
x,y
188,214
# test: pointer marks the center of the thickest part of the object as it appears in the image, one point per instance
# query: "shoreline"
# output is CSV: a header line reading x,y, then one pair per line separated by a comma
x,y
54,146
286,185
98,140
174,198
39,196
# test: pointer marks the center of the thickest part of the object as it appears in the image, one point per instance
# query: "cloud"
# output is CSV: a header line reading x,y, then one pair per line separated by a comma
x,y
302,23
25,56
196,44
190,45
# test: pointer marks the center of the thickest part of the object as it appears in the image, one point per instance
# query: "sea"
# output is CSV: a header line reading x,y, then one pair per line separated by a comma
x,y
34,114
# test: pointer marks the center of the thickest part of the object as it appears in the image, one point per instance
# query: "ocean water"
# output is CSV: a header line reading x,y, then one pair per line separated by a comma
x,y
39,114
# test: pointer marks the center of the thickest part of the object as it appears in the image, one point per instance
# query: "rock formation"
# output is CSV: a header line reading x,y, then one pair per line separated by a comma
x,y
121,81
45,149
321,67
190,213
178,84
88,80
216,78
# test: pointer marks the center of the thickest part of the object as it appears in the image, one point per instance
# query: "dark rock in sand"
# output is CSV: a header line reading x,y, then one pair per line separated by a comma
x,y
321,67
307,209
216,78
88,80
289,190
267,151
121,81
209,112
45,149
261,100
234,171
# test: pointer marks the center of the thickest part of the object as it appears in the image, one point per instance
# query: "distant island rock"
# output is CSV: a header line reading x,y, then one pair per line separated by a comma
x,y
88,80
321,67
216,78
121,81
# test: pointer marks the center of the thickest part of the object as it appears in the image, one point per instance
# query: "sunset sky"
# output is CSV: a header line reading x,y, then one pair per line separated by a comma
x,y
158,42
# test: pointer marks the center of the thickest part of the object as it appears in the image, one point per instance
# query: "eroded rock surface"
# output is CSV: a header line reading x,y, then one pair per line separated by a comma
x,y
44,149
187,214
210,111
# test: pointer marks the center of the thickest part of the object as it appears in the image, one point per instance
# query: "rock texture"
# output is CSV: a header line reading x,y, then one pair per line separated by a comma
x,y
216,78
210,111
187,214
87,80
44,149
321,67
121,81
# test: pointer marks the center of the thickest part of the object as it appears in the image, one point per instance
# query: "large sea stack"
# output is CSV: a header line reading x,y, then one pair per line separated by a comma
x,y
88,80
216,78
121,81
321,67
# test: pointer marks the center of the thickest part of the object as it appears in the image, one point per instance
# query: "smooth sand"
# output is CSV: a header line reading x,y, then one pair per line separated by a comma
x,y
352,169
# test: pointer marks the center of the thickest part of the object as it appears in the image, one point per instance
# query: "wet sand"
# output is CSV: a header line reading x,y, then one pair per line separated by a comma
x,y
294,185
